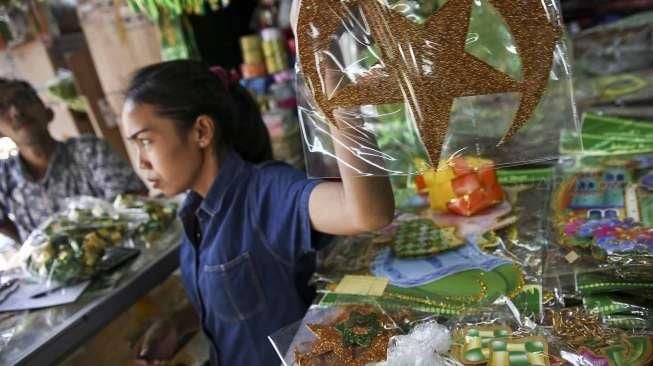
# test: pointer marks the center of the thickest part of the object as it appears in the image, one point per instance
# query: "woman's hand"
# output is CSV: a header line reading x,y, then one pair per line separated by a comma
x,y
164,337
159,343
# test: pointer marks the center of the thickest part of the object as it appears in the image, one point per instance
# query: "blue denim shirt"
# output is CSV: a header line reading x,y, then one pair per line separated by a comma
x,y
243,248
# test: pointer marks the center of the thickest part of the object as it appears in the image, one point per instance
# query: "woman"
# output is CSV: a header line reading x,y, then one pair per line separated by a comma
x,y
248,221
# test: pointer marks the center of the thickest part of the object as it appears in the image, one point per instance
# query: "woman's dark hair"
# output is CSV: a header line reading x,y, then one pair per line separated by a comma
x,y
183,90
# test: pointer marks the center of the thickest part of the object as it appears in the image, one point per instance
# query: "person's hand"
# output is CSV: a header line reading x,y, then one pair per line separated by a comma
x,y
159,344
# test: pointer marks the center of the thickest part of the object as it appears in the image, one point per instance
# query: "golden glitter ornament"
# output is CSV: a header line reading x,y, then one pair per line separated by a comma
x,y
330,346
425,65
576,327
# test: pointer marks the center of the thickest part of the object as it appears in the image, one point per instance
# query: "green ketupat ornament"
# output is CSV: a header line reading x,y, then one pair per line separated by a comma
x,y
421,237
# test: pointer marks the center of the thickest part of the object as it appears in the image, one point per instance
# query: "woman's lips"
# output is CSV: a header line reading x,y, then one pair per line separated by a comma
x,y
154,181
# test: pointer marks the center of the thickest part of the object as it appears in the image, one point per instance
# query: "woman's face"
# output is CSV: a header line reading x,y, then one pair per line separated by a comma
x,y
169,161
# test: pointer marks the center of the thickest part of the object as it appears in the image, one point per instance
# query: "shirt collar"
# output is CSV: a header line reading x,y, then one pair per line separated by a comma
x,y
21,174
229,172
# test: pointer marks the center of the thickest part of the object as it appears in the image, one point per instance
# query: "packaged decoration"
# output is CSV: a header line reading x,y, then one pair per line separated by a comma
x,y
422,267
464,186
616,47
360,335
585,340
153,216
604,206
500,336
76,243
384,83
348,335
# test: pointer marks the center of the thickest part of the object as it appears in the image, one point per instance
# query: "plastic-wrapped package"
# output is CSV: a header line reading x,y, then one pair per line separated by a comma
x,y
383,83
604,206
602,219
500,335
605,135
426,268
624,89
152,215
358,335
85,238
583,339
617,47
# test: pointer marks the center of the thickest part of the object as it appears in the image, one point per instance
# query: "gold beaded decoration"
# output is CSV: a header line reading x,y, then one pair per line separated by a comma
x,y
577,328
425,65
330,344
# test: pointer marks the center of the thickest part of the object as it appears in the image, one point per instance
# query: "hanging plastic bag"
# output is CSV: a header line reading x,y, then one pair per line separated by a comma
x,y
384,83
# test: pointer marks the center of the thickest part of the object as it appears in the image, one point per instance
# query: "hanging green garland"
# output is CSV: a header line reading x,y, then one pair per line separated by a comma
x,y
154,8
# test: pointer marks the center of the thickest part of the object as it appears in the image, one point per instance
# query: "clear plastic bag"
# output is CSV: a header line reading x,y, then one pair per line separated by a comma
x,y
602,237
603,207
616,47
362,334
85,238
383,83
501,335
151,216
625,89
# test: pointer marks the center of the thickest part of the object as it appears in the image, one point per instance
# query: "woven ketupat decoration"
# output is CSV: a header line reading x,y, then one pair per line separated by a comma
x,y
421,237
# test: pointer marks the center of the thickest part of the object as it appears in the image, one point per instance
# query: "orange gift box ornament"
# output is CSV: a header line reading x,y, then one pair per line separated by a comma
x,y
463,186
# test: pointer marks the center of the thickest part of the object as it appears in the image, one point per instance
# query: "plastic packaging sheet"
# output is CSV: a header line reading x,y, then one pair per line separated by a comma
x,y
363,334
91,236
445,275
605,135
602,235
385,82
496,334
628,89
616,47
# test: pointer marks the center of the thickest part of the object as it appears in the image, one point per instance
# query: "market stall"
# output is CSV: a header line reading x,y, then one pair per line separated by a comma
x,y
80,271
522,243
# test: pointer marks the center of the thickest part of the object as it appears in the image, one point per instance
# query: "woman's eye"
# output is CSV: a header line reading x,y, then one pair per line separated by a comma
x,y
146,142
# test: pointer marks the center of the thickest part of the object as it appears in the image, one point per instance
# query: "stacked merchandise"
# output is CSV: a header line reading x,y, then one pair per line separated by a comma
x,y
267,73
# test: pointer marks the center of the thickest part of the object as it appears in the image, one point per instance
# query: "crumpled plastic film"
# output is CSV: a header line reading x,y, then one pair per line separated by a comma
x,y
425,345
616,47
383,84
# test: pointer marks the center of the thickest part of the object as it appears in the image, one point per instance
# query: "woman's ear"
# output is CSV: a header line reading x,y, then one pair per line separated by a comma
x,y
204,131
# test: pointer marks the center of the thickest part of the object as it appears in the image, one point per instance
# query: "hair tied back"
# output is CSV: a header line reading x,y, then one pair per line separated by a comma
x,y
226,77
